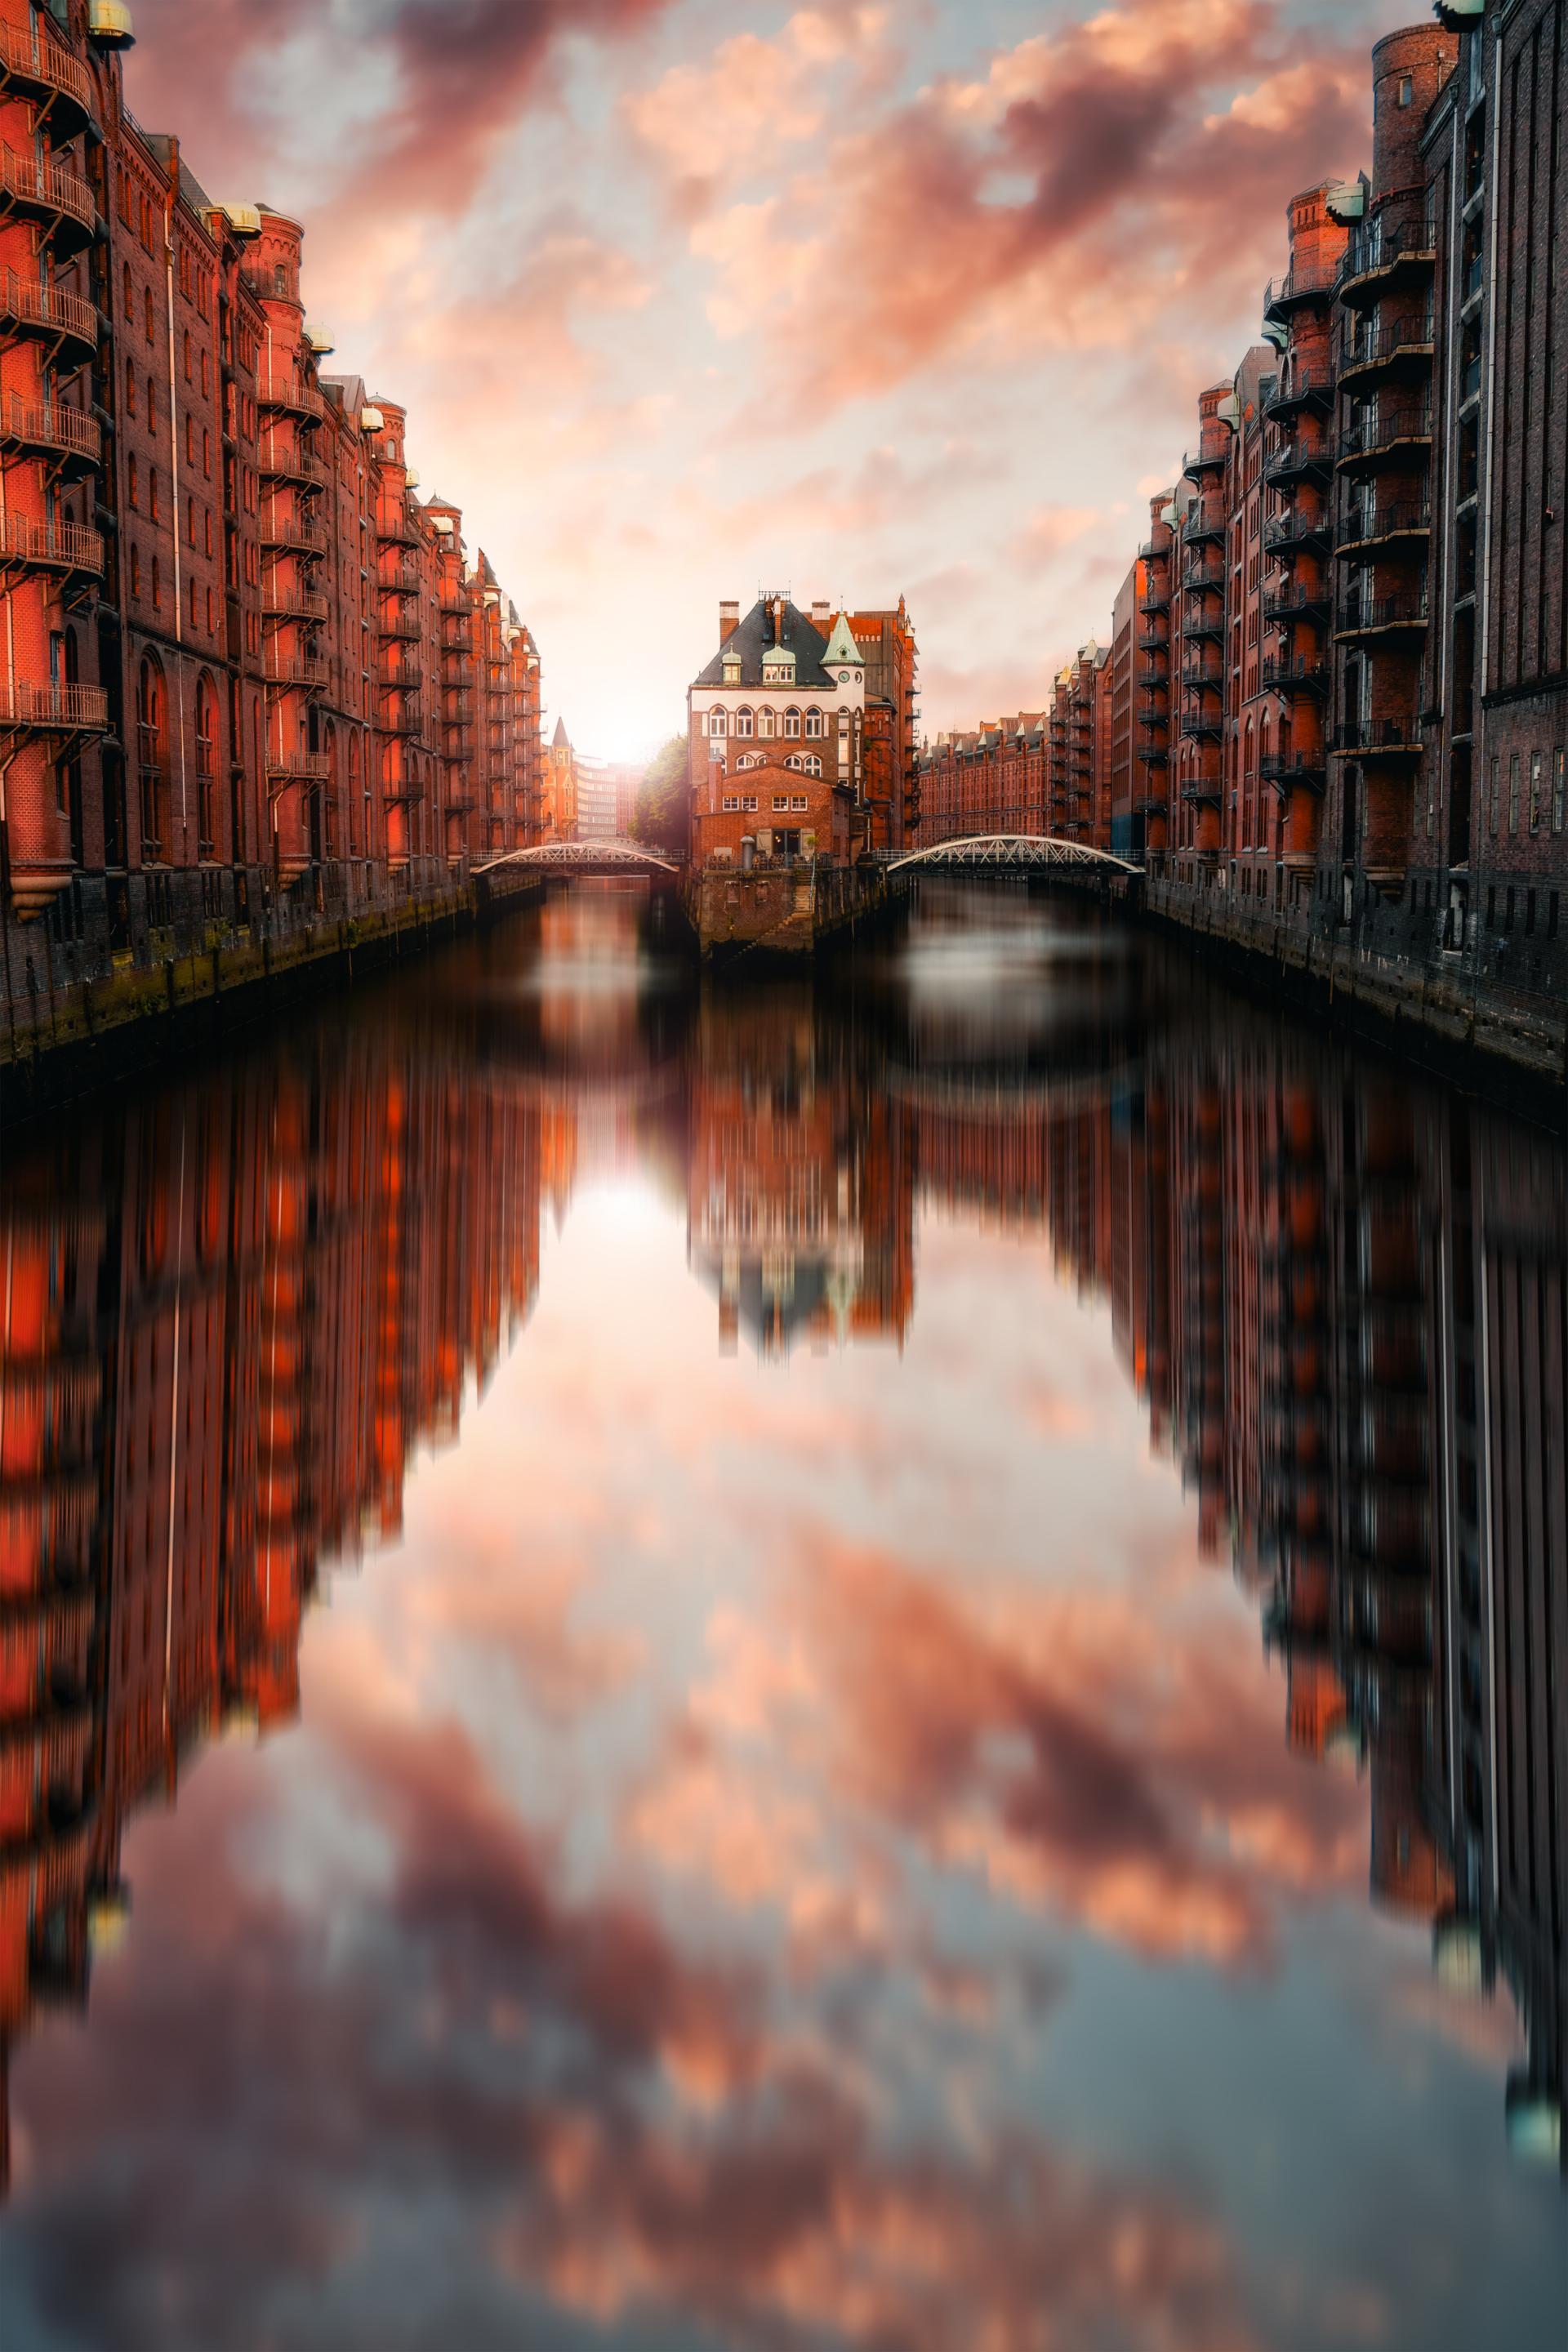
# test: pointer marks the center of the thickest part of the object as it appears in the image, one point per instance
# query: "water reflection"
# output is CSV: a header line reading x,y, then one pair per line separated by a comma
x,y
692,1952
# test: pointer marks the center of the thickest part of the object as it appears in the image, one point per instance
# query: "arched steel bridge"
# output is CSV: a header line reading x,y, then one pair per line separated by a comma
x,y
1023,849
584,857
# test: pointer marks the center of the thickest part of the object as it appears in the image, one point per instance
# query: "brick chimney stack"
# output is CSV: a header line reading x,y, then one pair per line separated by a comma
x,y
821,618
728,622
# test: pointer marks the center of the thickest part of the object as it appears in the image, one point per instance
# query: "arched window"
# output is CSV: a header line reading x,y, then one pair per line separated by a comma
x,y
147,312
813,724
279,280
765,722
354,842
187,355
130,293
742,723
129,388
717,723
792,722
206,765
153,760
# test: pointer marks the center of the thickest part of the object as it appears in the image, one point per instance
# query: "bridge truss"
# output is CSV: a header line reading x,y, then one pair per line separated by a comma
x,y
584,857
1019,849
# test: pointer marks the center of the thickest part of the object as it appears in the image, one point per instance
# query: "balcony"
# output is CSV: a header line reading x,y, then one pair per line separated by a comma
x,y
1202,725
1384,250
1207,521
293,533
1155,641
1299,527
402,627
1294,677
454,604
1200,577
283,390
34,66
282,601
61,200
395,677
1311,282
28,544
1301,388
404,720
1408,523
1399,431
1378,738
1300,460
399,577
1296,600
1154,600
52,709
1149,803
1152,713
285,461
1205,628
299,767
28,309
1373,616
1210,461
73,441
285,670
1209,787
396,526
1293,771
1374,349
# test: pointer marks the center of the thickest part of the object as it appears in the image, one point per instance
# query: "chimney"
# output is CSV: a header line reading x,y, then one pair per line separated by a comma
x,y
728,622
778,620
822,618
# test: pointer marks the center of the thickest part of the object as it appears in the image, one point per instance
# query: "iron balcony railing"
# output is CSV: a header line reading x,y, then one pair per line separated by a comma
x,y
50,425
1294,677
1400,736
1383,243
1300,388
1380,346
1200,577
49,546
294,669
1362,614
1206,519
282,388
1302,284
281,601
1300,527
1286,769
1362,527
24,303
30,59
306,767
52,708
1297,459
48,187
293,531
1368,435
1296,600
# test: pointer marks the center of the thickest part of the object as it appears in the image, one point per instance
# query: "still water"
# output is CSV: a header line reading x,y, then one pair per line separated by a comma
x,y
874,1670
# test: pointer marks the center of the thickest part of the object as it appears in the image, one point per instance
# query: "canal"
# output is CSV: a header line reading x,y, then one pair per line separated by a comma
x,y
881,1667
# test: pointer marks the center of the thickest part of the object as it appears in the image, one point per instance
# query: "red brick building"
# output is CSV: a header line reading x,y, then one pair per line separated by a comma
x,y
232,696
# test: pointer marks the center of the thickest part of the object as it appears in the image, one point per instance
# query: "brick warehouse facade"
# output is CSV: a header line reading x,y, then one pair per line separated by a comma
x,y
250,681
1349,639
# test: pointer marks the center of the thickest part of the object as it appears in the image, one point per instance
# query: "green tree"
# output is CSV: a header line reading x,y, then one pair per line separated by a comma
x,y
663,818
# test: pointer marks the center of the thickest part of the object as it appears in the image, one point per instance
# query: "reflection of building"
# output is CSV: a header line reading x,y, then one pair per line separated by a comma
x,y
209,1383
800,1200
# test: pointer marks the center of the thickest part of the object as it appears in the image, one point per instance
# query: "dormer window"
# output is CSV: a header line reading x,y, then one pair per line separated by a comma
x,y
731,669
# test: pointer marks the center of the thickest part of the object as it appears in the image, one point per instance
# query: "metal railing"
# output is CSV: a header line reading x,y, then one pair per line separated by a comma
x,y
50,425
1378,735
282,388
27,180
1392,520
1375,347
47,307
52,708
1384,242
1287,677
52,546
45,63
1405,421
1299,285
1366,613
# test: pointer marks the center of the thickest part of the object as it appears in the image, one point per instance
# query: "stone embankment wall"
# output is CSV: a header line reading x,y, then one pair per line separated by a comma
x,y
783,910
62,1035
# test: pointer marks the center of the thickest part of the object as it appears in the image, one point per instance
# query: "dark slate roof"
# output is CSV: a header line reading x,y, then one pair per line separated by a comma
x,y
754,638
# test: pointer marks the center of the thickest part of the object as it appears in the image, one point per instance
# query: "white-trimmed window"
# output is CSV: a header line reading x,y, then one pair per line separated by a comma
x,y
799,802
766,724
792,722
732,803
781,802
814,724
742,723
749,804
717,723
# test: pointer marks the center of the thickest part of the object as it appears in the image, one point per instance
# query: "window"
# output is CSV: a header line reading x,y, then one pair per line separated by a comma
x,y
792,722
191,521
1559,785
207,762
132,482
136,572
206,453
732,803
187,345
130,293
130,389
147,312
749,804
152,405
157,585
717,724
1492,795
814,724
1407,90
207,373
765,722
742,723
152,491
1535,767
799,802
1513,792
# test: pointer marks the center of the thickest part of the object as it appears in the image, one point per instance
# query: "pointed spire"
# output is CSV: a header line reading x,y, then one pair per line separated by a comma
x,y
842,647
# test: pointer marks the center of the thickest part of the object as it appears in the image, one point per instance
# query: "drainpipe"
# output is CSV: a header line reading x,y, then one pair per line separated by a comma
x,y
169,202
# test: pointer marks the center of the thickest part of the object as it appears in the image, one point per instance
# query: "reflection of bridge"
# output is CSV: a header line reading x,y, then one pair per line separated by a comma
x,y
1022,849
1000,1095
583,858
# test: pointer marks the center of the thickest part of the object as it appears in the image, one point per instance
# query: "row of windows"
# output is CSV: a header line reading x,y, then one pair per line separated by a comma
x,y
767,722
784,803
806,761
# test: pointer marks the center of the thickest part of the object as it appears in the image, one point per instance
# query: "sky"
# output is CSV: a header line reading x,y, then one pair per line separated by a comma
x,y
690,298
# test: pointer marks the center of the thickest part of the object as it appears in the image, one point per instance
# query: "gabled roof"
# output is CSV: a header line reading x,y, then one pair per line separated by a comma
x,y
752,642
561,739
